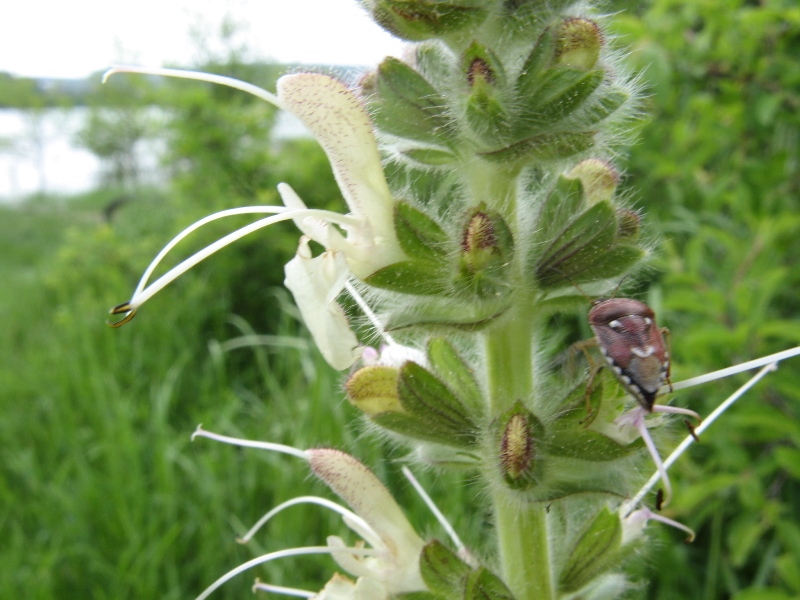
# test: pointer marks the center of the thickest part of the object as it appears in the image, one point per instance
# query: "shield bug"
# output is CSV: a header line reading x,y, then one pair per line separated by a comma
x,y
633,345
637,352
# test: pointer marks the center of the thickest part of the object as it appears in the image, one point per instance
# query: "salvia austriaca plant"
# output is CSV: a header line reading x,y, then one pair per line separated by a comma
x,y
480,181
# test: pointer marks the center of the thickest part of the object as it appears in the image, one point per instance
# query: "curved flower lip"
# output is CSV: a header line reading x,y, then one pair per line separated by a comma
x,y
315,282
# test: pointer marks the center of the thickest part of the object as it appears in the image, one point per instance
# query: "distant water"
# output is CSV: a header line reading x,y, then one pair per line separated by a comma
x,y
38,153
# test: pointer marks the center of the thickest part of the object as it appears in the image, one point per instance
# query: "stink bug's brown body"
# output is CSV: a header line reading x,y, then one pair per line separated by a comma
x,y
633,345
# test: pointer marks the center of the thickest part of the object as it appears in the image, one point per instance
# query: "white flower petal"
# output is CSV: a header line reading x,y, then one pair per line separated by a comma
x,y
341,125
368,497
317,229
315,283
341,588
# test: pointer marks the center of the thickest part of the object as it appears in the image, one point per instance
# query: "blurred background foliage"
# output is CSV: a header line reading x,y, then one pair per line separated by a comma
x,y
104,495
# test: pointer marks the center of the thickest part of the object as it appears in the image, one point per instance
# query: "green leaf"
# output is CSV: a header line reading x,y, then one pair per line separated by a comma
x,y
419,235
614,261
410,277
482,584
424,395
603,107
456,374
442,570
422,19
418,596
597,550
543,147
423,429
561,99
541,55
564,201
430,156
442,319
578,245
408,106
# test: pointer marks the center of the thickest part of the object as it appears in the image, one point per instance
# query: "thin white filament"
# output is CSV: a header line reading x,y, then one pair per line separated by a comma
x,y
171,275
279,589
689,440
671,523
451,532
365,308
660,468
281,554
244,210
753,364
199,76
375,541
250,443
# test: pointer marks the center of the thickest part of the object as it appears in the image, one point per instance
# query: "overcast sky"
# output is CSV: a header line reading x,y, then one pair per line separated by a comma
x,y
56,38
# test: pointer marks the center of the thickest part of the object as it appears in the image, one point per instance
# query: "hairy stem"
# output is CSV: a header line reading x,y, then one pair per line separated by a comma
x,y
521,529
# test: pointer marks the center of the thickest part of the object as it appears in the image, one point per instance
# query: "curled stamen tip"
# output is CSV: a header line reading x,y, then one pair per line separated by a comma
x,y
198,431
126,308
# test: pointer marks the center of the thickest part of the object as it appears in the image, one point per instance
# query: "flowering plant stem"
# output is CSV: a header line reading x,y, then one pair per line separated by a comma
x,y
521,529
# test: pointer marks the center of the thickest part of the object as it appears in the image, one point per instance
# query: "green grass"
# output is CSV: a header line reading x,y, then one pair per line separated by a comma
x,y
104,494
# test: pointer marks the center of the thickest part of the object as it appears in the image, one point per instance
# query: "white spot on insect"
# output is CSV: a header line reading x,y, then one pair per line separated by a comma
x,y
626,380
648,321
615,324
616,369
643,352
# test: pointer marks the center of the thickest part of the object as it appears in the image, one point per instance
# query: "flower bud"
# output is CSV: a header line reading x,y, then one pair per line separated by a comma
x,y
416,20
598,177
578,43
413,402
485,79
517,446
628,223
486,248
479,243
373,390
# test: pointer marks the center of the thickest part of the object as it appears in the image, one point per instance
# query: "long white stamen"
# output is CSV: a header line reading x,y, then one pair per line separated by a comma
x,y
753,364
689,440
672,523
282,554
244,210
279,589
199,76
250,443
641,426
145,294
434,509
375,541
362,304
676,410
